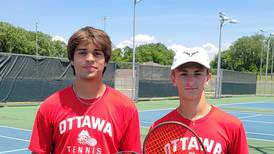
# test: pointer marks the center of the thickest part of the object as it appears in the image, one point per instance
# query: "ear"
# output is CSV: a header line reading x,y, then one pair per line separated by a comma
x,y
172,77
72,63
209,76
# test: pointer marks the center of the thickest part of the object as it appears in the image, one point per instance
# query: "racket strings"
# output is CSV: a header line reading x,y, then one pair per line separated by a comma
x,y
171,138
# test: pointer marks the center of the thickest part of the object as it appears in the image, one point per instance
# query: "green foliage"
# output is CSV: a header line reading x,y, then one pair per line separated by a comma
x,y
154,52
244,54
18,40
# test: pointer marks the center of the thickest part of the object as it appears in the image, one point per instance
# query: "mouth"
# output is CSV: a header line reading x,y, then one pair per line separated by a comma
x,y
89,68
191,89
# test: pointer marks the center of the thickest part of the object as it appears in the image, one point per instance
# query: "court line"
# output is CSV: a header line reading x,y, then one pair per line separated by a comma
x,y
256,121
156,110
260,134
16,150
15,128
144,126
148,122
251,116
229,104
14,138
266,140
217,105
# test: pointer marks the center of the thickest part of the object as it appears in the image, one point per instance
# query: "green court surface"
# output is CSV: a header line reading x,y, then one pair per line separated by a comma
x,y
23,116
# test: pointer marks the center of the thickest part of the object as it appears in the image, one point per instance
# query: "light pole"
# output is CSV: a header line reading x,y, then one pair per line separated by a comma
x,y
266,67
223,19
36,40
135,2
261,60
272,56
267,55
105,18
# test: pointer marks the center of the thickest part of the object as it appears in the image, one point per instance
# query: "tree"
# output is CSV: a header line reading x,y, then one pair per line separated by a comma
x,y
154,52
117,55
18,40
244,54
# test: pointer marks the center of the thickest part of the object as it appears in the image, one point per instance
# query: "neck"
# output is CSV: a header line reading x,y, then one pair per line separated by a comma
x,y
194,109
88,89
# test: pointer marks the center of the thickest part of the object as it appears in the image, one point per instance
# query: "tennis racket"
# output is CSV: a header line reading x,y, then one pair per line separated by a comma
x,y
173,137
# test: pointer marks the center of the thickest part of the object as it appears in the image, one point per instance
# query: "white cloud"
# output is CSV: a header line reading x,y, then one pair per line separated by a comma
x,y
211,50
226,45
139,40
58,38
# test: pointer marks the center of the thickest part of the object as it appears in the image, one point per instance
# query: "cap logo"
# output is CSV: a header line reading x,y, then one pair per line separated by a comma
x,y
190,54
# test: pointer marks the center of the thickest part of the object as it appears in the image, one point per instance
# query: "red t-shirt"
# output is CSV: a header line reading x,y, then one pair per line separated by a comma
x,y
219,131
64,125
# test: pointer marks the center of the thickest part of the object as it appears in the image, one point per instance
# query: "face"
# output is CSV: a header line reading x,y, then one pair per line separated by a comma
x,y
88,61
190,80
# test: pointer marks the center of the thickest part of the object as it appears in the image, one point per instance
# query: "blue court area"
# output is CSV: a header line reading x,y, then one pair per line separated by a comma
x,y
258,125
14,140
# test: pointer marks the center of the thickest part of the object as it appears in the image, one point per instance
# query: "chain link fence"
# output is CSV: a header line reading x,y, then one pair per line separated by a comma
x,y
31,78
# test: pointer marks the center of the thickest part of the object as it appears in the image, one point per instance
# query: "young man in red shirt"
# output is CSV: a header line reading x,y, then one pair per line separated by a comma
x,y
87,117
219,131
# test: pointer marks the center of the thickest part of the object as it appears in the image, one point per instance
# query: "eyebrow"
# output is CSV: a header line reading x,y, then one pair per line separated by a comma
x,y
197,70
85,49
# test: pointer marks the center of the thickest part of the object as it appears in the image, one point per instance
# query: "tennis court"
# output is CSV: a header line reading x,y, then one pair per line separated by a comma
x,y
258,125
257,114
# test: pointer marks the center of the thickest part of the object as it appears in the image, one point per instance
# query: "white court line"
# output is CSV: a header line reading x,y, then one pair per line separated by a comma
x,y
251,116
14,138
16,150
156,110
230,104
148,122
144,126
260,134
15,128
217,105
256,121
260,139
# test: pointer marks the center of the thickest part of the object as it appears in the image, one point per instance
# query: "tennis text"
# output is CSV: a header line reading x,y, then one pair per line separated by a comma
x,y
84,150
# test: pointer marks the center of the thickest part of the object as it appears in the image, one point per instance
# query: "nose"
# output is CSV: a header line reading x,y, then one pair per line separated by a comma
x,y
189,80
90,57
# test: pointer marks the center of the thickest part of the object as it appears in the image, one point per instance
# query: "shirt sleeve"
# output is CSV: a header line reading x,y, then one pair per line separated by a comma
x,y
41,138
131,139
239,144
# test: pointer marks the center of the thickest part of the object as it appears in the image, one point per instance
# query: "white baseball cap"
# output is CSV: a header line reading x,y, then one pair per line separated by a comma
x,y
182,57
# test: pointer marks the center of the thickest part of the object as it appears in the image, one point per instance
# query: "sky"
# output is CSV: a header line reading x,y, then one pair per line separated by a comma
x,y
179,24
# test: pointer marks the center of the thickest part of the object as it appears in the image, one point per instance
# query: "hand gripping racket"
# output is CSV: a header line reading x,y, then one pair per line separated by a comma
x,y
173,137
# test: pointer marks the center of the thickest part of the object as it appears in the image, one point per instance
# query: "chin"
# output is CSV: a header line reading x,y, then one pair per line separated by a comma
x,y
88,76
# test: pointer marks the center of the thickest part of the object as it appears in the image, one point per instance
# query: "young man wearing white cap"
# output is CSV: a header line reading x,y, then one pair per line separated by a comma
x,y
219,131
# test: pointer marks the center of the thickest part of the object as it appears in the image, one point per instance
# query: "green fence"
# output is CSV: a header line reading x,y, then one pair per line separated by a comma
x,y
30,78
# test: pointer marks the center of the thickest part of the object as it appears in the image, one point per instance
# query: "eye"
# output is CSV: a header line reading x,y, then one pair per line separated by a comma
x,y
183,74
98,53
198,74
81,52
